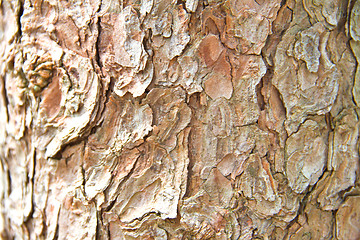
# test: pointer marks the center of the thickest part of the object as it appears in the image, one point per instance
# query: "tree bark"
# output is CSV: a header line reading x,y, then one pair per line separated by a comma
x,y
192,119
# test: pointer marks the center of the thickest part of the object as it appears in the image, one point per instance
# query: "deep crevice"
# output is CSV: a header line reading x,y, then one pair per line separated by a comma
x,y
32,182
282,3
194,104
258,88
18,19
123,180
111,205
98,225
5,98
9,181
350,6
108,94
56,237
305,199
97,43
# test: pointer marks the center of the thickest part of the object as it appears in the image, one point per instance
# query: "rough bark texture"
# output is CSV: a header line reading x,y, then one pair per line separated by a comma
x,y
166,119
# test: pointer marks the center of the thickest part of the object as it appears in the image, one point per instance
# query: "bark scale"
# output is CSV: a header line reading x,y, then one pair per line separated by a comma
x,y
166,119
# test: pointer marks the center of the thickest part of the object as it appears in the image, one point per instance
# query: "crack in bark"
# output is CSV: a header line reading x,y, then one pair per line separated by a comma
x,y
123,180
304,200
19,13
97,54
5,97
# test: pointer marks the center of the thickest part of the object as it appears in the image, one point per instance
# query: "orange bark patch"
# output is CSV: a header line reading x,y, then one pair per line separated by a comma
x,y
217,86
210,49
222,65
52,98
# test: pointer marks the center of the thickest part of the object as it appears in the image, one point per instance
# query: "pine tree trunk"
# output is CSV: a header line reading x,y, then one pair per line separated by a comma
x,y
192,119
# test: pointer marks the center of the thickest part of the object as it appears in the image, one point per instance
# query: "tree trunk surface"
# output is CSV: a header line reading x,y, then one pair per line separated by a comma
x,y
179,119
